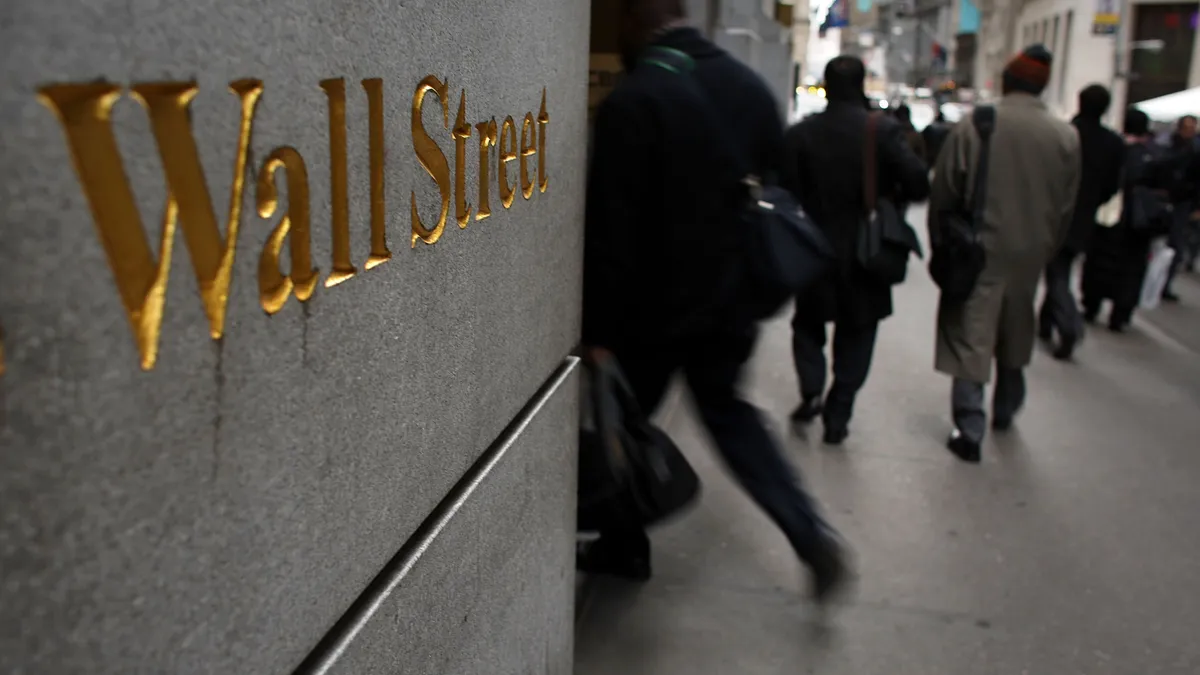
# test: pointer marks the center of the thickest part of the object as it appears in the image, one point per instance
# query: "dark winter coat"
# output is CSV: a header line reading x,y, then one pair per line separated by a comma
x,y
663,193
935,136
823,166
1103,153
1117,258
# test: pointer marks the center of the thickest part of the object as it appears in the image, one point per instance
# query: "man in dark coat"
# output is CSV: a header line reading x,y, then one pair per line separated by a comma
x,y
825,157
662,207
1185,195
1117,258
1103,153
935,136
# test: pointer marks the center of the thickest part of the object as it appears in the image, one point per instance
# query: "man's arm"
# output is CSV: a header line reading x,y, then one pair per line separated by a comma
x,y
902,163
617,182
951,173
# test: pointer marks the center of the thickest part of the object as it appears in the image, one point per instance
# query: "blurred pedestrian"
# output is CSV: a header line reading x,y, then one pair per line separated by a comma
x,y
935,136
916,142
1117,257
825,168
1032,178
1103,153
661,231
1185,196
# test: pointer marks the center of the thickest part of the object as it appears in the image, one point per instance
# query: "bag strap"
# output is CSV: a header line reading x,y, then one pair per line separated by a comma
x,y
870,167
607,378
984,119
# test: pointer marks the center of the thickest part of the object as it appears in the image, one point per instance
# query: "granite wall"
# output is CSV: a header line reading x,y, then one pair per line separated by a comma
x,y
217,461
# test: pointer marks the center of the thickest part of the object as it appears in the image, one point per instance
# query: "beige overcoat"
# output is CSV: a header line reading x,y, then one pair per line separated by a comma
x,y
1033,175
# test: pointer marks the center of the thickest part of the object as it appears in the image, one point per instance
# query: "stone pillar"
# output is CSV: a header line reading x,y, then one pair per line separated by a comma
x,y
287,292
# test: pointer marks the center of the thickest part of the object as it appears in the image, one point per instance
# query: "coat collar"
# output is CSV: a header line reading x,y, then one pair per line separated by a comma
x,y
688,40
1018,99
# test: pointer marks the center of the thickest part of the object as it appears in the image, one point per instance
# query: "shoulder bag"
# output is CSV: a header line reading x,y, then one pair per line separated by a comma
x,y
958,255
631,474
783,251
885,241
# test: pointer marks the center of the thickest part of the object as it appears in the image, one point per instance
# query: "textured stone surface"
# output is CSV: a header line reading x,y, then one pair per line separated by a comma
x,y
218,514
493,593
1071,549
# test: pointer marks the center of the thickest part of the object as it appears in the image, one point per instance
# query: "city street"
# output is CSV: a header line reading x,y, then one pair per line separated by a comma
x,y
1073,548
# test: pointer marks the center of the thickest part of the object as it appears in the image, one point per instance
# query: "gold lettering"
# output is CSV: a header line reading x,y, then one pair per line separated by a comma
x,y
379,248
432,159
508,139
462,131
85,112
343,269
487,139
543,120
273,287
528,148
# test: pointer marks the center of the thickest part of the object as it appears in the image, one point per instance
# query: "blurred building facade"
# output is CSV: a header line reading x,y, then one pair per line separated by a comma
x,y
1141,50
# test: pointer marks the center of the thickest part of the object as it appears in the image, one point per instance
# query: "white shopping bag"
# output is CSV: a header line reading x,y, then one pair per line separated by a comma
x,y
1109,213
1155,281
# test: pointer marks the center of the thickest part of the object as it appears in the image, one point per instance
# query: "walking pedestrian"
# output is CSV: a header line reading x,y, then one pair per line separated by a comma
x,y
1103,153
825,167
1032,179
935,137
1117,258
1185,196
662,212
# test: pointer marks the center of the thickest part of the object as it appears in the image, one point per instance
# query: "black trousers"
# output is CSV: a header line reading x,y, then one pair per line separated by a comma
x,y
853,348
712,366
1060,311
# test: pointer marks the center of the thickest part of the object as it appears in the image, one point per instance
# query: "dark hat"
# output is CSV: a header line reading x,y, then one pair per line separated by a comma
x,y
1029,71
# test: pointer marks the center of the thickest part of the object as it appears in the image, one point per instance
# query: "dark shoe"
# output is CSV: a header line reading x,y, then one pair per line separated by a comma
x,y
963,448
1002,423
1064,350
1170,296
624,558
808,410
836,435
830,568
1118,326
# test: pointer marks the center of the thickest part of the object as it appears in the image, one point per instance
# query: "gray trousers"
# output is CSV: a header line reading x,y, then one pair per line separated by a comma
x,y
967,402
1060,312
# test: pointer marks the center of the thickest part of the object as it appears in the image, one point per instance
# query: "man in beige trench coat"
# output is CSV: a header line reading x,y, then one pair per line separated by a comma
x,y
1033,175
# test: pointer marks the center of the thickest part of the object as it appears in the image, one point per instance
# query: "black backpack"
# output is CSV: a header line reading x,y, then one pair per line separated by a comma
x,y
631,474
783,252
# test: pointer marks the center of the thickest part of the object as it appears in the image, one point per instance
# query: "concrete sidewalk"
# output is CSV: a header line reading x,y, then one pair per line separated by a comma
x,y
1074,547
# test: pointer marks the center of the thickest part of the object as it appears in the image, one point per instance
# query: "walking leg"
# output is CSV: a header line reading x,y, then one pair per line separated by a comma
x,y
756,460
1059,305
808,353
853,347
970,417
1009,396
